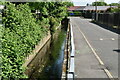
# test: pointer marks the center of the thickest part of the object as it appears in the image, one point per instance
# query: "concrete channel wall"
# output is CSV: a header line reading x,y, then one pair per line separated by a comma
x,y
36,50
68,63
38,47
37,58
34,60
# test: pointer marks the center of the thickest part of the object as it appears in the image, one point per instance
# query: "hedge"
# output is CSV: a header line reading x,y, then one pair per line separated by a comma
x,y
21,34
22,31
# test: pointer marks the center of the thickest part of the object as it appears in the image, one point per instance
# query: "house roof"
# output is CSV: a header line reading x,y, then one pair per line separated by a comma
x,y
73,8
90,8
81,8
101,8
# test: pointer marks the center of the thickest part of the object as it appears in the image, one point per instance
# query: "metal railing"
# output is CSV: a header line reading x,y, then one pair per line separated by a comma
x,y
71,70
68,63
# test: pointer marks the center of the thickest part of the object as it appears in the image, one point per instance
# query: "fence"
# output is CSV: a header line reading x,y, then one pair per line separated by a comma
x,y
110,19
87,15
68,63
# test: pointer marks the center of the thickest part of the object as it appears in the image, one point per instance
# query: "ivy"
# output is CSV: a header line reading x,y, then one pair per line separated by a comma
x,y
53,11
21,34
23,30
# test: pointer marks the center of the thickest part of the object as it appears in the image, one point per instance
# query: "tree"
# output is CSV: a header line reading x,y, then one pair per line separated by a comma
x,y
68,4
114,4
2,2
99,4
115,10
22,32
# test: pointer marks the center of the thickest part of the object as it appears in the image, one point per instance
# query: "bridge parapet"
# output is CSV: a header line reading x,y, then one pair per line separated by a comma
x,y
68,63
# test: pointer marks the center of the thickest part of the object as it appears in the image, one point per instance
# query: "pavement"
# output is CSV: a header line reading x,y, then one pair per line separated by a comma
x,y
102,42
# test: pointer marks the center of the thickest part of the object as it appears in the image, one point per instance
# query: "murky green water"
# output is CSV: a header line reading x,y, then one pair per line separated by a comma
x,y
53,57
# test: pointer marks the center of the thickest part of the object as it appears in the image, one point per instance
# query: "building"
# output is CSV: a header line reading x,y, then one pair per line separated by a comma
x,y
76,10
87,11
80,8
98,8
73,8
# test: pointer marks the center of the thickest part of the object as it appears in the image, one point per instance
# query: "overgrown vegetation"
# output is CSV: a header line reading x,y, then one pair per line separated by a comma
x,y
2,2
21,34
117,9
99,3
113,10
114,4
23,29
53,11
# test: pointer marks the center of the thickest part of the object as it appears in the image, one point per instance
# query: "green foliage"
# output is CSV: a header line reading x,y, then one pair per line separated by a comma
x,y
115,10
21,34
2,2
53,24
58,11
54,11
68,4
58,41
99,3
114,4
23,31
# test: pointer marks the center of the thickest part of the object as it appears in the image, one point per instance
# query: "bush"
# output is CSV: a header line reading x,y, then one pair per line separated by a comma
x,y
21,34
115,9
53,24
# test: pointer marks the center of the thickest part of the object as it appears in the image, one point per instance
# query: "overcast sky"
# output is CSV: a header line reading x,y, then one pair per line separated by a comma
x,y
84,2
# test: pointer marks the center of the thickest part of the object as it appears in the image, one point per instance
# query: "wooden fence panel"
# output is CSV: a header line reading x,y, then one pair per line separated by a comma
x,y
110,19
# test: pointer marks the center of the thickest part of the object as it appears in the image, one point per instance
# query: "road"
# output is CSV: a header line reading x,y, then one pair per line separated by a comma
x,y
91,39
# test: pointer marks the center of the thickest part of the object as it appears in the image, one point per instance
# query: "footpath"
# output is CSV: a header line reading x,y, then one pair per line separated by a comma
x,y
86,64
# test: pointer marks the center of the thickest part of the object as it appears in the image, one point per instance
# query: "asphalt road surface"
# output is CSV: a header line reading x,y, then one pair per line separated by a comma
x,y
102,41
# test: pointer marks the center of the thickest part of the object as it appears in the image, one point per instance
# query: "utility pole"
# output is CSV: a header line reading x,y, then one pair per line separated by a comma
x,y
95,9
96,6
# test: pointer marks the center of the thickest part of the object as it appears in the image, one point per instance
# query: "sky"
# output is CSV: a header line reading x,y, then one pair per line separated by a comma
x,y
84,2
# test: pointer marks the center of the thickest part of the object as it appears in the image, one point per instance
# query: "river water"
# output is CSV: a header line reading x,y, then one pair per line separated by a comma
x,y
49,66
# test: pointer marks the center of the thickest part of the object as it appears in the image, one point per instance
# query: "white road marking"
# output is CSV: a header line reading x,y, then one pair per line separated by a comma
x,y
75,75
107,39
98,58
112,38
101,39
